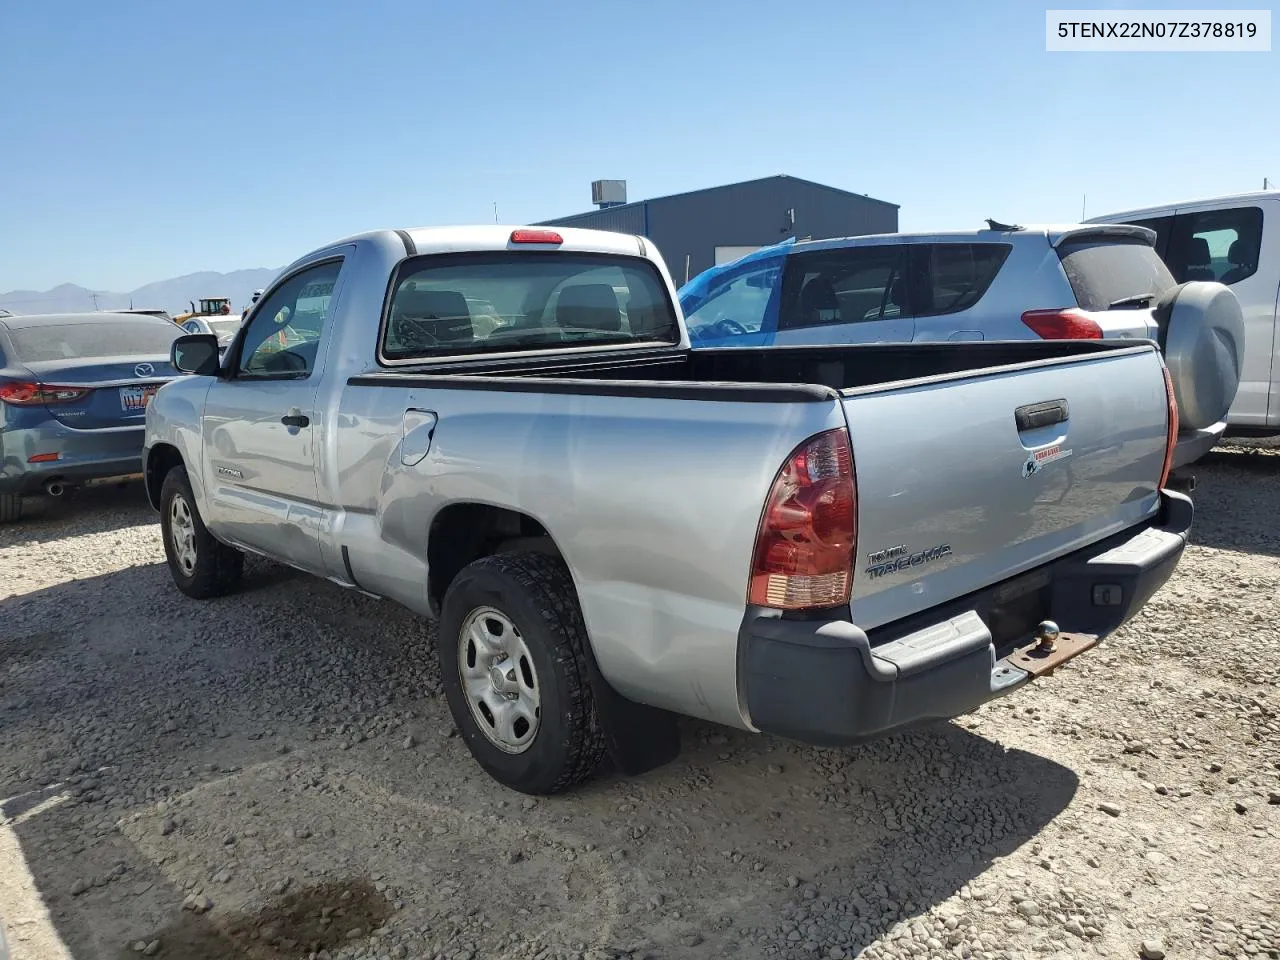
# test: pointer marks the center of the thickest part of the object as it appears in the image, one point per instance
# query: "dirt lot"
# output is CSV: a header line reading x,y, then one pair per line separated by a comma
x,y
273,775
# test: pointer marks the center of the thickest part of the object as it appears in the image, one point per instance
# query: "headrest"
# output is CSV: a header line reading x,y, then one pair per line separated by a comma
x,y
1198,253
818,294
591,306
1238,254
447,316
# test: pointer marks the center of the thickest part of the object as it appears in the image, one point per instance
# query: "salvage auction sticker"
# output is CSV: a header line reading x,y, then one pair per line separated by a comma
x,y
1043,457
135,399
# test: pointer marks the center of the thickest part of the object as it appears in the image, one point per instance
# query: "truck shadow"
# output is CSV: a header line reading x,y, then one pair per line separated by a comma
x,y
122,704
1237,497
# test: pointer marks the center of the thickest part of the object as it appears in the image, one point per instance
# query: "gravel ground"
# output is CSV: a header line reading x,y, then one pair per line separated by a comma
x,y
274,775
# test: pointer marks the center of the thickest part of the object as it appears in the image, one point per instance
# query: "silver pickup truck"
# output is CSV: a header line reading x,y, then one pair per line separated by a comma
x,y
505,430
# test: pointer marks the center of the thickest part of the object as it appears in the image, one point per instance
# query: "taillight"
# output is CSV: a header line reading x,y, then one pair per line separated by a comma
x,y
1065,324
1171,439
535,236
809,530
30,394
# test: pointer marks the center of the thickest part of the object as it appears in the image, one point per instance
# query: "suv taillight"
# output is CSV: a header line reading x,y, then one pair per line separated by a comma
x,y
809,530
1067,323
1171,439
22,394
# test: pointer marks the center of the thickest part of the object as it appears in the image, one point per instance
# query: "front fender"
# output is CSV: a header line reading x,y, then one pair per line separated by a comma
x,y
173,423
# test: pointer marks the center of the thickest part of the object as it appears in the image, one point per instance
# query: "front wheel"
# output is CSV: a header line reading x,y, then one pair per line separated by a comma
x,y
512,650
202,566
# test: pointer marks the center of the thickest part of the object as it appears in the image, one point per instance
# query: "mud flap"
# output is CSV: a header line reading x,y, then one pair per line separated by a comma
x,y
639,738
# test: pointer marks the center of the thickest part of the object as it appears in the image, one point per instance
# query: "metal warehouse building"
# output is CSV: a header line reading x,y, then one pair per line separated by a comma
x,y
699,229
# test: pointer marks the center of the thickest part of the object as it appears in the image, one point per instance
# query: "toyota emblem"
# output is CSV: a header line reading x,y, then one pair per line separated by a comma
x,y
144,370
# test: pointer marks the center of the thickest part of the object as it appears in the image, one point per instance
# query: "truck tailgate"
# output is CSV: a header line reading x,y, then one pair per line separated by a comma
x,y
968,480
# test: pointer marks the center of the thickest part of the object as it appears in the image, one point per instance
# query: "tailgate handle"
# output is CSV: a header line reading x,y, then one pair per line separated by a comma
x,y
1032,415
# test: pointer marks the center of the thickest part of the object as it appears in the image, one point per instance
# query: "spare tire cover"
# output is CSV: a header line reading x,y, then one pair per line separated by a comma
x,y
1202,334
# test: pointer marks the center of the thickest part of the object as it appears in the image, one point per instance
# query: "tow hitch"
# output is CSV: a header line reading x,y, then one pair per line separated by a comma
x,y
1050,649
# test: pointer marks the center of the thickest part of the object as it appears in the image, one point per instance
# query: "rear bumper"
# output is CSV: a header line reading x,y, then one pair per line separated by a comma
x,y
830,683
1194,444
83,456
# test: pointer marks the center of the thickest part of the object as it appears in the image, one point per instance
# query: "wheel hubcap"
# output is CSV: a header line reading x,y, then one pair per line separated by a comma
x,y
182,533
499,680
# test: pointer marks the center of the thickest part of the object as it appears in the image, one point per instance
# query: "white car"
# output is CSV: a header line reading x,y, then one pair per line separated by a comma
x,y
224,328
1234,240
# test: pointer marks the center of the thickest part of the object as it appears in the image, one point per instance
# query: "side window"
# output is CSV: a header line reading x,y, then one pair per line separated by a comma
x,y
284,335
854,285
950,277
737,305
1220,245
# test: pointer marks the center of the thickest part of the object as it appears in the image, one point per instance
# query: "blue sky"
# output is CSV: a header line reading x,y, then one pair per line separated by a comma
x,y
146,140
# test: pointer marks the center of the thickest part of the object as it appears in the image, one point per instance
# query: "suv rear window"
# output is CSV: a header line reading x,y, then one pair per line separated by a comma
x,y
92,339
1103,270
502,301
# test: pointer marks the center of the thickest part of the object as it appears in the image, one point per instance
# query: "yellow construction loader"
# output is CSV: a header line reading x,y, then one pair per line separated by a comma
x,y
209,307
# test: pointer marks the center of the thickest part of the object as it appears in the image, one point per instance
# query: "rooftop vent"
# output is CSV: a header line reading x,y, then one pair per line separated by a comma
x,y
608,193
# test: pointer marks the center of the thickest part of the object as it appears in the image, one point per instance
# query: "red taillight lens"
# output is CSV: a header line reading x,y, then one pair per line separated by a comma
x,y
809,530
1171,440
31,394
536,236
1065,324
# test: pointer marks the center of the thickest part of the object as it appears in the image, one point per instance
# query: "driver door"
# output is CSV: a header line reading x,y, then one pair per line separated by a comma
x,y
261,424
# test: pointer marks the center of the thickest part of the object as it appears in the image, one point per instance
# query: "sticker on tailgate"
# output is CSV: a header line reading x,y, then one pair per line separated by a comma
x,y
135,399
1042,458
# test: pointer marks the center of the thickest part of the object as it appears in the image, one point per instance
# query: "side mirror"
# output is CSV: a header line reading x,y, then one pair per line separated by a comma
x,y
196,353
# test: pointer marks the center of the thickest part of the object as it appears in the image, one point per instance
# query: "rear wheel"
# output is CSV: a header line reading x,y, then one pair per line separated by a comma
x,y
512,656
10,507
202,566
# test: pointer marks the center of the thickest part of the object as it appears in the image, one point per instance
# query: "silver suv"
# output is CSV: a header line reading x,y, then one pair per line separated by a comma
x,y
1008,282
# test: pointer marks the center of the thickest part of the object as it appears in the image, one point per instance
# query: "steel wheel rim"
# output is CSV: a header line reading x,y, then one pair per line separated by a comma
x,y
499,680
182,534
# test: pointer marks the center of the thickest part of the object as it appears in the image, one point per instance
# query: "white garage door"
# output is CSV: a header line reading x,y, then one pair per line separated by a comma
x,y
729,254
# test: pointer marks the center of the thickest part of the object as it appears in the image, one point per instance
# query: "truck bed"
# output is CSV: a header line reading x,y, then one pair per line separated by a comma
x,y
943,451
753,374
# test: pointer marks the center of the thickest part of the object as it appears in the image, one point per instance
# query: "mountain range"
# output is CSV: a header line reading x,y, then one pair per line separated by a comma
x,y
172,295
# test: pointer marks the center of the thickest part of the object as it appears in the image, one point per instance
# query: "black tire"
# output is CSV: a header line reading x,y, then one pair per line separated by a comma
x,y
217,567
10,507
536,593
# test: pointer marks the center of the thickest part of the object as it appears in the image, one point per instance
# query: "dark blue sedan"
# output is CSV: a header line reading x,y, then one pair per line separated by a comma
x,y
74,390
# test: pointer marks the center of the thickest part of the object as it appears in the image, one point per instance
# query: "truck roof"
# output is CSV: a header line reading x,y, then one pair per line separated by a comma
x,y
492,236
1253,197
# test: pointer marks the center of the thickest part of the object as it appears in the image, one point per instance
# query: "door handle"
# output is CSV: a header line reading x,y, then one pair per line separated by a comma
x,y
1033,415
296,420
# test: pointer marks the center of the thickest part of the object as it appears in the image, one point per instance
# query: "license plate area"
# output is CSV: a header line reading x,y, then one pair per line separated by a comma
x,y
135,399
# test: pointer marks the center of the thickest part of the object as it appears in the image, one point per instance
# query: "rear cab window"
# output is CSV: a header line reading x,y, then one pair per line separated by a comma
x,y
500,301
1105,270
